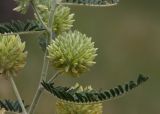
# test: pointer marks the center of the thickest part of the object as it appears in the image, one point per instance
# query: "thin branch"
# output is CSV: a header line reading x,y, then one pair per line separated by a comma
x,y
44,67
39,93
36,100
25,32
40,88
45,61
51,17
17,94
39,17
54,76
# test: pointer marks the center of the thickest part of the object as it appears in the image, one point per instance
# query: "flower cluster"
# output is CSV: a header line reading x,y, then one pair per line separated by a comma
x,y
73,108
12,54
72,52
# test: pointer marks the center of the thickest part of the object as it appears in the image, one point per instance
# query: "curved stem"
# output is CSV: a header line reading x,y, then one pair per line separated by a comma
x,y
17,94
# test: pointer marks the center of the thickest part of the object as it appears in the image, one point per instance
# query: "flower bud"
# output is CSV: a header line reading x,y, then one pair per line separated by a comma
x,y
72,53
12,54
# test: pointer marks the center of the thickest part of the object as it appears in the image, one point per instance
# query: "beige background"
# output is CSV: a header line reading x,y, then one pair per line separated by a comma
x,y
128,38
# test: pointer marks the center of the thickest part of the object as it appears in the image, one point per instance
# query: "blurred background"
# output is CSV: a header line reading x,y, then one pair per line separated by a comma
x,y
128,38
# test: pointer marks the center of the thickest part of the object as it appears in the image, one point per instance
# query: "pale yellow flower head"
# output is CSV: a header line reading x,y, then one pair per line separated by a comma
x,y
12,54
72,53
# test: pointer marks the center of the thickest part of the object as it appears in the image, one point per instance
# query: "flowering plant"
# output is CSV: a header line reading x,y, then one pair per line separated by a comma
x,y
69,51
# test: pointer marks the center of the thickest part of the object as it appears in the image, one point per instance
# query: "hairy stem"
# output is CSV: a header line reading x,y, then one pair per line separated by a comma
x,y
39,93
39,17
44,67
51,17
54,77
17,94
35,100
45,61
40,88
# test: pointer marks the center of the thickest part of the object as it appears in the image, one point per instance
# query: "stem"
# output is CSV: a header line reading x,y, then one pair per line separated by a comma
x,y
44,67
36,99
39,17
39,93
45,61
17,94
54,77
40,88
26,32
51,17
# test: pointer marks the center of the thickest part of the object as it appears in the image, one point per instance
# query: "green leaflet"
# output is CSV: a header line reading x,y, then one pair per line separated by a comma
x,y
12,106
98,3
19,26
94,96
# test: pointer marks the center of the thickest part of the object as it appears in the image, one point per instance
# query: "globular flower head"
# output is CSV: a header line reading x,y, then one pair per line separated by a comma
x,y
12,54
72,52
63,19
63,107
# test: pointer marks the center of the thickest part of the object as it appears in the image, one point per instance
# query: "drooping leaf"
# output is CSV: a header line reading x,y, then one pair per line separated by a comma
x,y
65,93
19,26
97,3
12,106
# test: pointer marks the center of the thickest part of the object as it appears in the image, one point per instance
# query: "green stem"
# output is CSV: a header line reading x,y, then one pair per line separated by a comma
x,y
17,94
39,17
35,100
54,77
40,88
44,67
25,32
39,93
46,61
51,18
